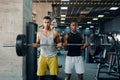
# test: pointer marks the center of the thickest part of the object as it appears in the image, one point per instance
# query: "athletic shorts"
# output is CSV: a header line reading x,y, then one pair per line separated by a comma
x,y
47,63
76,63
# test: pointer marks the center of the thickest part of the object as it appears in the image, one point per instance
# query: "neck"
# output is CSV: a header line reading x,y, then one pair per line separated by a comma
x,y
74,32
47,29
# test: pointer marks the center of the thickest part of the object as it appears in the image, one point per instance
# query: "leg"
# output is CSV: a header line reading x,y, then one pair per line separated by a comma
x,y
80,76
79,67
53,77
69,65
42,78
53,67
42,67
67,77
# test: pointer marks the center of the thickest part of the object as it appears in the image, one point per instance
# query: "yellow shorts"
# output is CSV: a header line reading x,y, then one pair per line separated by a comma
x,y
47,63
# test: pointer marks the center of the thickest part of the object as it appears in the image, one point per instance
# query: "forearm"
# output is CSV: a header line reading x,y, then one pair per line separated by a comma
x,y
64,45
85,45
35,45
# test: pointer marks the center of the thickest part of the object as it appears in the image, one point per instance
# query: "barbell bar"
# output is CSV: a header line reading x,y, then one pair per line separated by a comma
x,y
9,45
30,45
21,45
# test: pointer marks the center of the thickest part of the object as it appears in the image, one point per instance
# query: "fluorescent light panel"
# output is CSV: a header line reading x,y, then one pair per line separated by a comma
x,y
64,8
67,27
89,22
95,18
63,15
80,26
114,8
87,28
100,15
62,18
62,22
64,0
91,26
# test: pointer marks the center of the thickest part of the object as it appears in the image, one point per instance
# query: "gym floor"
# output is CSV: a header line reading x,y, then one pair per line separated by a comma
x,y
90,71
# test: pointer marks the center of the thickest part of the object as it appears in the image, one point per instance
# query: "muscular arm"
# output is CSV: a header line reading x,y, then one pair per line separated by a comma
x,y
85,44
38,38
65,41
37,41
57,39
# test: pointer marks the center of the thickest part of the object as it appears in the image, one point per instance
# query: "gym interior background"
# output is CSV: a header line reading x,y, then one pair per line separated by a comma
x,y
94,16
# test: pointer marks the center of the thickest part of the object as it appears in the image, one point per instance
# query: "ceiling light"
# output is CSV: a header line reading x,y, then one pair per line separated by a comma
x,y
114,8
64,0
67,27
80,26
89,22
62,22
91,26
87,28
63,15
95,18
62,18
100,15
64,8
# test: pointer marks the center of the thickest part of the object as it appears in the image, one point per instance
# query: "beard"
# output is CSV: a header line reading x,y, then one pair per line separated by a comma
x,y
73,30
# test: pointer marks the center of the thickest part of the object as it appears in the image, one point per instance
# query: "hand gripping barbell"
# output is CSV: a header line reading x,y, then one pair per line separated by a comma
x,y
21,45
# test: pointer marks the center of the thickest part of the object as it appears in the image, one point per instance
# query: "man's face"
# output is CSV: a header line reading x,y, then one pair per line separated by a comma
x,y
46,23
73,26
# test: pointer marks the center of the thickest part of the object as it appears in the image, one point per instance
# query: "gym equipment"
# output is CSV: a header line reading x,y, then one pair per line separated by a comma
x,y
20,48
21,45
109,65
102,38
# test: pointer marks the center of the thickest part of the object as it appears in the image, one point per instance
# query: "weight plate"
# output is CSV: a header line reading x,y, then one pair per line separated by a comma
x,y
20,47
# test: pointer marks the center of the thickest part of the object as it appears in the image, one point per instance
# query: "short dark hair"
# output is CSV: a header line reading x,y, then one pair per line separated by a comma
x,y
47,17
73,20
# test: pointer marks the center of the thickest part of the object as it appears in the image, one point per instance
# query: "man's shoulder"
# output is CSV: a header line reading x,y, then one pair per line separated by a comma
x,y
40,30
55,32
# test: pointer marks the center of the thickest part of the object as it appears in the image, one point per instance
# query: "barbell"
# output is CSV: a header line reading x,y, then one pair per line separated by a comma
x,y
21,45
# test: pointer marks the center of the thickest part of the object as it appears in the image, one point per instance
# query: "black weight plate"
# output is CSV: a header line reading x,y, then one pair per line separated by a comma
x,y
20,47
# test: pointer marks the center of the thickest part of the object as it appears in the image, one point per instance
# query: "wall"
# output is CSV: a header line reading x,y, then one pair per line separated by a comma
x,y
11,24
41,10
113,25
14,14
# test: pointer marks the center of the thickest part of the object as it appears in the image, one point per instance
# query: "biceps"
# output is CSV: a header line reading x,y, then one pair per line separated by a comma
x,y
38,39
57,40
65,40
